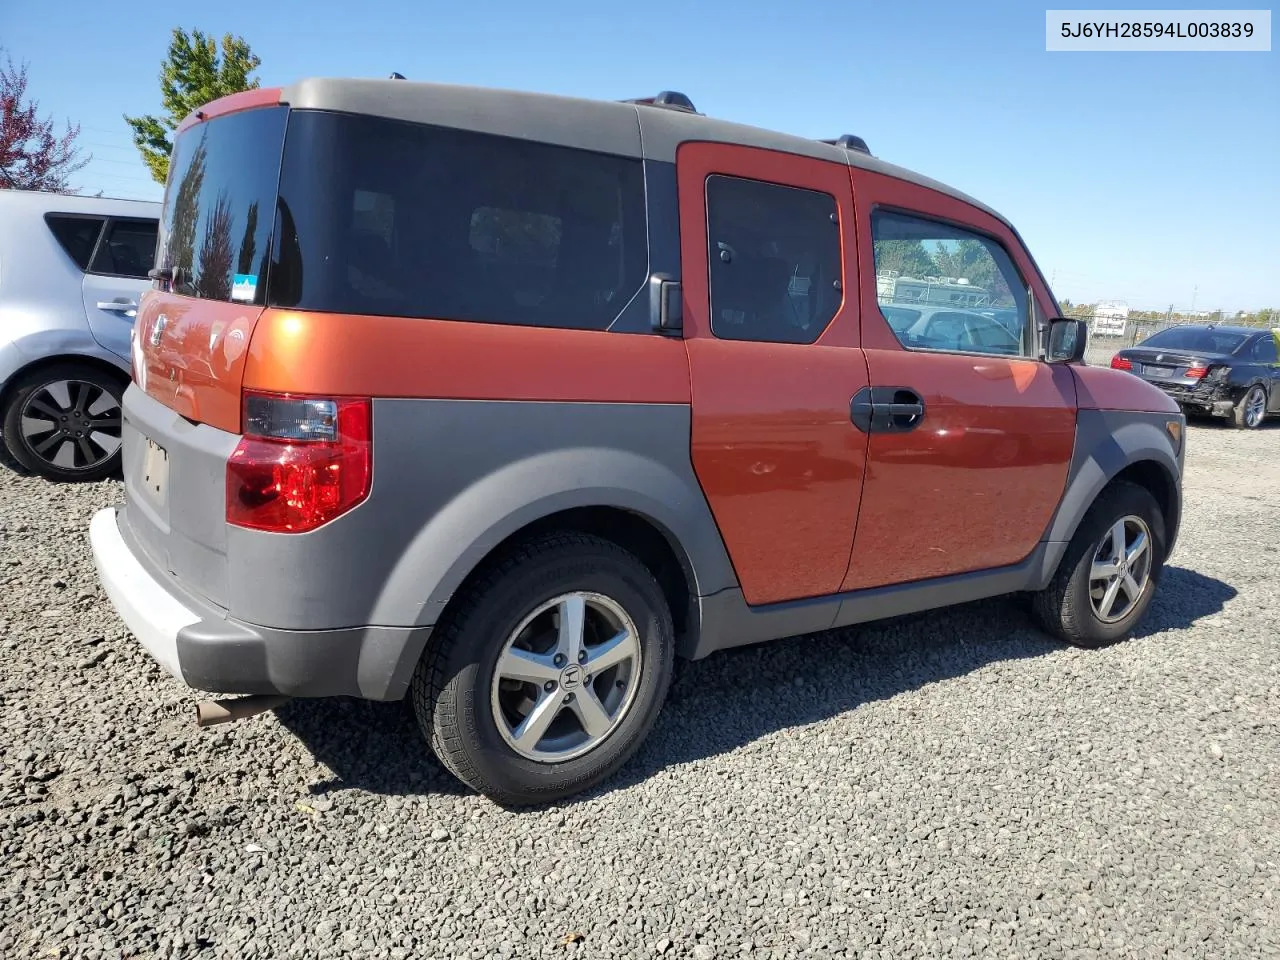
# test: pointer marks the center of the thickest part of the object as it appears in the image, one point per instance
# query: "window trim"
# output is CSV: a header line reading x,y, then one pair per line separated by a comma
x,y
107,226
1027,338
102,219
840,256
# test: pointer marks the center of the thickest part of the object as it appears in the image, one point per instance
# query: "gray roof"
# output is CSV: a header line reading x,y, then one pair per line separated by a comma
x,y
626,129
47,202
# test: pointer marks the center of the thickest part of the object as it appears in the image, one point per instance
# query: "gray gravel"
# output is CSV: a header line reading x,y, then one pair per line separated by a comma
x,y
947,785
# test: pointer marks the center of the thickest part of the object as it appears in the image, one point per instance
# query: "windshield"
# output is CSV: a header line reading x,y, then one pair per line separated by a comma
x,y
1199,339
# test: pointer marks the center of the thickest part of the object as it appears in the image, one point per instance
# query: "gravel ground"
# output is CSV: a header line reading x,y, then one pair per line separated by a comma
x,y
948,785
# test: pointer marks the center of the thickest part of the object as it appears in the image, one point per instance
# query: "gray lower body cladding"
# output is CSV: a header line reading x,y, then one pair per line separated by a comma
x,y
348,608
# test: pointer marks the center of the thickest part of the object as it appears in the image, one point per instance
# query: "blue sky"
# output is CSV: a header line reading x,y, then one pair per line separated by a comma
x,y
1150,177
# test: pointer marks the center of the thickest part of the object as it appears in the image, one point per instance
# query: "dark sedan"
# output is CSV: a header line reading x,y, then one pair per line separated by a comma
x,y
1228,372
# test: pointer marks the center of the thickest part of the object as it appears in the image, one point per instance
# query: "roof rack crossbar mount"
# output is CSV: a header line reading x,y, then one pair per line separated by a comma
x,y
669,99
849,142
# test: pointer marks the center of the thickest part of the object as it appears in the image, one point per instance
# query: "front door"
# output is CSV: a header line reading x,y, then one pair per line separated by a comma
x,y
116,278
771,326
971,481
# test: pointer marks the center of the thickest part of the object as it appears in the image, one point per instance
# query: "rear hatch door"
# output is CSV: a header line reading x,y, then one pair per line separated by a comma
x,y
192,339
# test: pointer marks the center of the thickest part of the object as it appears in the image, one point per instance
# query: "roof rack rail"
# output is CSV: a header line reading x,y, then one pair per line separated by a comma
x,y
849,142
669,99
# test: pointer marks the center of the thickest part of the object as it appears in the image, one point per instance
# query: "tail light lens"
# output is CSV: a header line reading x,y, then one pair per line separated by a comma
x,y
302,462
1120,363
1197,371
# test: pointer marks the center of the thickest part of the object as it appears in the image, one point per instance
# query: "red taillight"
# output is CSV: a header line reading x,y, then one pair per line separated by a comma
x,y
1197,372
1120,363
301,462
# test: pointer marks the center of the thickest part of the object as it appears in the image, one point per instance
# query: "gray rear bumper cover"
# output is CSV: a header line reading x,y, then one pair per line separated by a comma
x,y
210,651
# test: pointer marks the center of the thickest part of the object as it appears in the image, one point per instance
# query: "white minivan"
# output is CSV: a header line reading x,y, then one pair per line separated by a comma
x,y
71,271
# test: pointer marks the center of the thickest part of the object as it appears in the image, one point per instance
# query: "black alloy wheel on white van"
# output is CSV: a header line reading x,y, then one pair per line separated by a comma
x,y
63,422
549,673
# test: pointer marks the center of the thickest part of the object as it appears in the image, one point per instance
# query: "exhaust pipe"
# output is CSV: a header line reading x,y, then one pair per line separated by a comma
x,y
209,712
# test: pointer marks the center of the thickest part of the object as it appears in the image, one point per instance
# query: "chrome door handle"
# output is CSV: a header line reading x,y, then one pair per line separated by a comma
x,y
119,306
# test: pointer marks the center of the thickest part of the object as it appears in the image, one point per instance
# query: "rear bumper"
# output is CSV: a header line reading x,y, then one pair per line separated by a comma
x,y
204,648
1216,398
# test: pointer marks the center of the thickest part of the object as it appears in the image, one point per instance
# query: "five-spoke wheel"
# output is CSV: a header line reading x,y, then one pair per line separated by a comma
x,y
566,677
1106,578
547,672
1121,569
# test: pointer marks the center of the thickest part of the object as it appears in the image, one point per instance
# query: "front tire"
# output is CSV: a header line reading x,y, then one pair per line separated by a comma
x,y
62,422
1106,579
1249,413
550,673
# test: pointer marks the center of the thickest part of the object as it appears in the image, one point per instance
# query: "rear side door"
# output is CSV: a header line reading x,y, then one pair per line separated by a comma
x,y
968,474
771,328
116,278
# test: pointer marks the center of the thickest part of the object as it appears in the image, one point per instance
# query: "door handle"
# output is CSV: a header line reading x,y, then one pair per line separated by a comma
x,y
886,409
118,306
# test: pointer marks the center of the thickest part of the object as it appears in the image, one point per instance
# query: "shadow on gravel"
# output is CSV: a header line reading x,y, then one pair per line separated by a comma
x,y
368,745
736,697
1183,598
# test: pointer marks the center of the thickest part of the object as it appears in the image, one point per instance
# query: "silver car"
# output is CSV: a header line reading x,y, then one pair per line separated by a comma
x,y
71,271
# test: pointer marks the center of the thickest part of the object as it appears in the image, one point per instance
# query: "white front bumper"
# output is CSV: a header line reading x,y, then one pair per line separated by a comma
x,y
147,609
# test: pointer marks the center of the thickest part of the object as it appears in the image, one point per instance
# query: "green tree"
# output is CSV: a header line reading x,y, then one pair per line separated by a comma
x,y
908,257
196,70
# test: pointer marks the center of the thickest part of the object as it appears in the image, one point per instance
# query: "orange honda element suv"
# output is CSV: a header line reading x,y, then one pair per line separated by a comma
x,y
502,402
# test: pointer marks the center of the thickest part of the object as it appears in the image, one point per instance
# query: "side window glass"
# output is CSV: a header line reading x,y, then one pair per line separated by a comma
x,y
76,235
774,261
942,287
128,250
1264,350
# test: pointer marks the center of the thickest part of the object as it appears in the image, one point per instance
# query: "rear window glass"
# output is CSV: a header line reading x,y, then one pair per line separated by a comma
x,y
77,235
411,220
1196,338
220,203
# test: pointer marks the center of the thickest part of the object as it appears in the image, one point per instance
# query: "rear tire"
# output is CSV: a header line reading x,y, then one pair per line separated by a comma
x,y
498,665
62,422
1080,605
1249,413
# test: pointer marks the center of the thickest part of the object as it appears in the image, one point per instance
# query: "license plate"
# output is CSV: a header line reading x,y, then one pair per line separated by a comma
x,y
155,472
1151,371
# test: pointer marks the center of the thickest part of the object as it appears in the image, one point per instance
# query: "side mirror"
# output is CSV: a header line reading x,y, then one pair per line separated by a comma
x,y
1067,340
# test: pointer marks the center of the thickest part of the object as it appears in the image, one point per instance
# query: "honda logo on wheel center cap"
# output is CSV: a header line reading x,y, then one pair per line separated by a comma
x,y
571,677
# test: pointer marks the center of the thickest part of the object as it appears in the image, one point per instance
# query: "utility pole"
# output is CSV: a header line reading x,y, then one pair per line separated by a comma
x,y
1194,291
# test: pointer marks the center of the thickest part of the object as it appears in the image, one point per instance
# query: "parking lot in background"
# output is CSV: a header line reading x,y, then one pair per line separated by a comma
x,y
949,784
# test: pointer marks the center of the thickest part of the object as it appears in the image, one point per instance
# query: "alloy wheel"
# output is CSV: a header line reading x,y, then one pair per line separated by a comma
x,y
73,425
1121,569
566,677
1255,405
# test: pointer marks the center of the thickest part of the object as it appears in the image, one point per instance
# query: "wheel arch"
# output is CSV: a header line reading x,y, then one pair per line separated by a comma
x,y
1112,447
99,361
619,495
647,539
